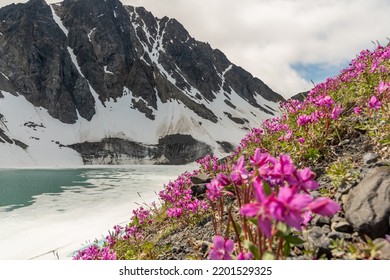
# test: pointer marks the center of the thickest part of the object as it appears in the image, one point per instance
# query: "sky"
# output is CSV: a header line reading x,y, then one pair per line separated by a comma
x,y
288,44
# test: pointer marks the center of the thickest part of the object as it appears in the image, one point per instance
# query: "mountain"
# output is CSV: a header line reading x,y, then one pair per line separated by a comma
x,y
96,82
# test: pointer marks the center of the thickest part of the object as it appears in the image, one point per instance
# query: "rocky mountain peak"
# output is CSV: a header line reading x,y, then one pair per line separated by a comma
x,y
81,59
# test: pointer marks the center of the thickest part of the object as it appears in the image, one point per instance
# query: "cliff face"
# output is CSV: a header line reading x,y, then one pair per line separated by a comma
x,y
79,60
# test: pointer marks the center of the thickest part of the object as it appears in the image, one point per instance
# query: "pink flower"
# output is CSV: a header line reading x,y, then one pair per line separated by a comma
x,y
260,208
326,101
306,180
336,112
239,173
214,189
303,120
259,158
289,207
245,256
174,212
223,179
374,103
324,206
284,169
221,249
382,87
301,140
307,217
357,110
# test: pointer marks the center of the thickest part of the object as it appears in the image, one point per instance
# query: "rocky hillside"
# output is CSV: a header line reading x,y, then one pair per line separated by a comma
x,y
89,80
313,183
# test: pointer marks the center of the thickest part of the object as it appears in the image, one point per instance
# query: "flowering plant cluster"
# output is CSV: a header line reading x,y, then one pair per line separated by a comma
x,y
178,199
273,192
306,126
130,234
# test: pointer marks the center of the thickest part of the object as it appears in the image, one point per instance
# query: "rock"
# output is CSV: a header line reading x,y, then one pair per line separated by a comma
x,y
321,221
171,149
198,190
339,235
344,142
205,247
200,178
318,239
367,208
370,158
181,148
384,247
342,226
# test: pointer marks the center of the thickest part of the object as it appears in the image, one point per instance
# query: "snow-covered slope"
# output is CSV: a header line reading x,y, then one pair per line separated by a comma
x,y
114,72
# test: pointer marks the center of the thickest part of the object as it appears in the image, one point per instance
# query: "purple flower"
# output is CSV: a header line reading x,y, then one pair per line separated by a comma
x,y
259,158
108,254
284,169
382,87
303,120
214,189
374,103
336,112
307,217
301,140
260,208
245,256
174,212
306,180
221,249
223,179
239,174
357,110
326,101
324,206
289,207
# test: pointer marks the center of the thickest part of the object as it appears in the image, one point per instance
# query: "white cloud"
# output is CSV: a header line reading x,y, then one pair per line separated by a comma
x,y
266,37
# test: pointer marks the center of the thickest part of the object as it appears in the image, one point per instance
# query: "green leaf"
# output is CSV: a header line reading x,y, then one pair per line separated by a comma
x,y
267,188
286,249
253,221
292,239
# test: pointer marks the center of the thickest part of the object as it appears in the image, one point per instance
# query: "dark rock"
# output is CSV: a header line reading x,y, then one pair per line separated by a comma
x,y
200,178
226,146
181,149
113,151
321,221
370,158
318,239
204,248
300,96
339,235
198,190
368,206
342,226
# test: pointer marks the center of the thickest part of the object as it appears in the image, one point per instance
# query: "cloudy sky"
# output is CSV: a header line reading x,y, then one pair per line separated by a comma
x,y
285,43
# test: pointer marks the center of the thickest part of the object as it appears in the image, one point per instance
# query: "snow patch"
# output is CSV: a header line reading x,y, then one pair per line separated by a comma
x,y
58,20
74,60
90,33
4,75
106,71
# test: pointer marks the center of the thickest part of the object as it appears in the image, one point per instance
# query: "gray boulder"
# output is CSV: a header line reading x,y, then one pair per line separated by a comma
x,y
367,208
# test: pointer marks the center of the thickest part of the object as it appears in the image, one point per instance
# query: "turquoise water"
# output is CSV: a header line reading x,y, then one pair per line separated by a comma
x,y
19,187
50,213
